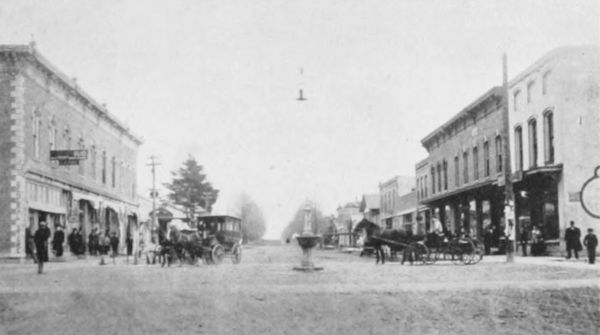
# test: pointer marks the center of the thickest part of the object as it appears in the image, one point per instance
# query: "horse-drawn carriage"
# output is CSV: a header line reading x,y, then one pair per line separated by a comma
x,y
215,237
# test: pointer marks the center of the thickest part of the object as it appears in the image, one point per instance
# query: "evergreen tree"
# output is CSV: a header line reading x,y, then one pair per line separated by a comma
x,y
190,188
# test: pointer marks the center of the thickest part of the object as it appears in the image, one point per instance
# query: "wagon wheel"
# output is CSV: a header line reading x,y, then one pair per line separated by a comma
x,y
421,253
236,254
217,254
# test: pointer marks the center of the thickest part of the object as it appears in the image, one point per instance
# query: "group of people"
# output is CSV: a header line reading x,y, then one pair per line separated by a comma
x,y
36,245
538,247
573,241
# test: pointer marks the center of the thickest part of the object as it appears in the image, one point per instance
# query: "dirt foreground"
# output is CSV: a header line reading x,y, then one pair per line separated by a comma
x,y
264,296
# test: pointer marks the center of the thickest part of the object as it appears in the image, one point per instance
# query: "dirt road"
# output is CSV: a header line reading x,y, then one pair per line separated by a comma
x,y
262,295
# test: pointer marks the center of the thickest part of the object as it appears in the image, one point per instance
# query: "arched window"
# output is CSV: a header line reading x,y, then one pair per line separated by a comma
x,y
104,167
475,163
52,133
93,161
549,137
499,155
439,177
519,148
81,145
546,82
432,180
445,167
113,171
516,100
530,91
466,167
35,132
533,146
486,159
456,172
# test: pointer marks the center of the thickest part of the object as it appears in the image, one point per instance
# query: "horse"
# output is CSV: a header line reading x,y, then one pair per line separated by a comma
x,y
182,245
378,239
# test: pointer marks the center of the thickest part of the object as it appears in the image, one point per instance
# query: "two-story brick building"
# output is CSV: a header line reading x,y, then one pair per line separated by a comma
x,y
42,110
397,204
460,182
554,120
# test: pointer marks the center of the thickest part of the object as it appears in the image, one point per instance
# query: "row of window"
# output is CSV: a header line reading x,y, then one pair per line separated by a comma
x,y
121,174
533,142
531,87
439,172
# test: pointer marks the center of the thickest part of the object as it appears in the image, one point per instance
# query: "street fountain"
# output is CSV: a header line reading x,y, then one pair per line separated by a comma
x,y
307,241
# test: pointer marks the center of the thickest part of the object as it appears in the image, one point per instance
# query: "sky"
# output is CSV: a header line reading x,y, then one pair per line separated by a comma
x,y
219,80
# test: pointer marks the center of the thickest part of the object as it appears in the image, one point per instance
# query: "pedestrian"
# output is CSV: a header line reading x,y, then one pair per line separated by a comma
x,y
79,242
488,237
572,237
129,243
114,244
72,241
29,244
524,239
57,241
41,237
93,242
537,242
591,242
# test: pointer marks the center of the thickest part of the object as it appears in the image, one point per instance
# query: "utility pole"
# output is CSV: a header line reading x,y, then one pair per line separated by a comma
x,y
153,193
509,196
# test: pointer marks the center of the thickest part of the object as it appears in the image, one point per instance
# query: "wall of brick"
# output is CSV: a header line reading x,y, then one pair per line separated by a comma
x,y
6,103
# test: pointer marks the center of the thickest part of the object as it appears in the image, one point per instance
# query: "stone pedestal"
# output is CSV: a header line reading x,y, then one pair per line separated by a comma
x,y
307,242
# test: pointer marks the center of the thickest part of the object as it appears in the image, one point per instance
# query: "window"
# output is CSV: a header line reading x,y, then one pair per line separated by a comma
x,y
425,183
456,172
498,154
548,138
439,177
465,167
432,180
104,167
113,171
445,167
52,134
486,159
516,100
81,162
530,89
533,153
475,163
36,126
67,138
545,82
93,162
519,148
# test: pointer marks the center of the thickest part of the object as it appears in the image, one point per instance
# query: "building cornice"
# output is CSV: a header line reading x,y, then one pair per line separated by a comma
x,y
30,54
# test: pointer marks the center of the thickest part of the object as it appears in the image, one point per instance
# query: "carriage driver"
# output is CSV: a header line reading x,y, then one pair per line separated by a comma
x,y
436,230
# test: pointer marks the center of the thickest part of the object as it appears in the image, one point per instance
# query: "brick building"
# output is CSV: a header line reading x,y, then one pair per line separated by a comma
x,y
460,182
41,110
554,117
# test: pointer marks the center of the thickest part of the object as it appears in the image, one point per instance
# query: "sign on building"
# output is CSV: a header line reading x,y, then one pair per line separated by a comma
x,y
68,157
590,195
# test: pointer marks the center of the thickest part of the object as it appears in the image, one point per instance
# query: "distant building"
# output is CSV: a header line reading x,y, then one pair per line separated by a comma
x,y
460,181
394,202
554,113
44,110
370,207
347,218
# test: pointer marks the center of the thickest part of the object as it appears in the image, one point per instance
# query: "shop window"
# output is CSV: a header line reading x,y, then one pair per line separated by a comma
x,y
499,154
549,137
486,159
519,148
533,145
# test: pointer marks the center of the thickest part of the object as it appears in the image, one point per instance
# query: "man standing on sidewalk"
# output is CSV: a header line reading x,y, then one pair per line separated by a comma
x,y
41,237
591,242
572,237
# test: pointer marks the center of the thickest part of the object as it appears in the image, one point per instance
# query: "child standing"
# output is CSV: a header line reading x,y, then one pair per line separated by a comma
x,y
591,242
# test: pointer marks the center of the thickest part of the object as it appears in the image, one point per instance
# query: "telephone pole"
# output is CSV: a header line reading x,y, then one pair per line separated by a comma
x,y
153,193
509,197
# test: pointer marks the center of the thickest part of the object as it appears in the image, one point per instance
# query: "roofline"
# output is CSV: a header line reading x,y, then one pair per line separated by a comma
x,y
30,52
494,91
549,56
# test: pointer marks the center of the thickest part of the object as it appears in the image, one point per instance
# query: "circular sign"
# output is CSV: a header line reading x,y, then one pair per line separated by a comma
x,y
590,195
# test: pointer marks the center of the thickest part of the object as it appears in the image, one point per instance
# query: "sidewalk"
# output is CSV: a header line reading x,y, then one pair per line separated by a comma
x,y
581,263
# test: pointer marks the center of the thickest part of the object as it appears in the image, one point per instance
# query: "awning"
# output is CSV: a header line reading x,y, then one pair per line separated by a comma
x,y
47,208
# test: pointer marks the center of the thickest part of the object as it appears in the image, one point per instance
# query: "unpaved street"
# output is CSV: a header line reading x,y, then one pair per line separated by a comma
x,y
262,295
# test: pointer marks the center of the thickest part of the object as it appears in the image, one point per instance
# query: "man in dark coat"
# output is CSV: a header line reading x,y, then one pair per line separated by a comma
x,y
72,239
572,237
58,240
93,241
114,244
591,242
40,238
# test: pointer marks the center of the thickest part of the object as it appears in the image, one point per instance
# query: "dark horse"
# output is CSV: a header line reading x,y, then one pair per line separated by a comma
x,y
396,240
181,245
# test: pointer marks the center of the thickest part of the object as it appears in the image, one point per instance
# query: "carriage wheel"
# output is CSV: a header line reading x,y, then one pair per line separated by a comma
x,y
217,254
236,254
422,253
206,257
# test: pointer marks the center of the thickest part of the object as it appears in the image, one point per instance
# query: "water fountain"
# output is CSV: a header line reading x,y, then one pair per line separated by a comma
x,y
307,241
